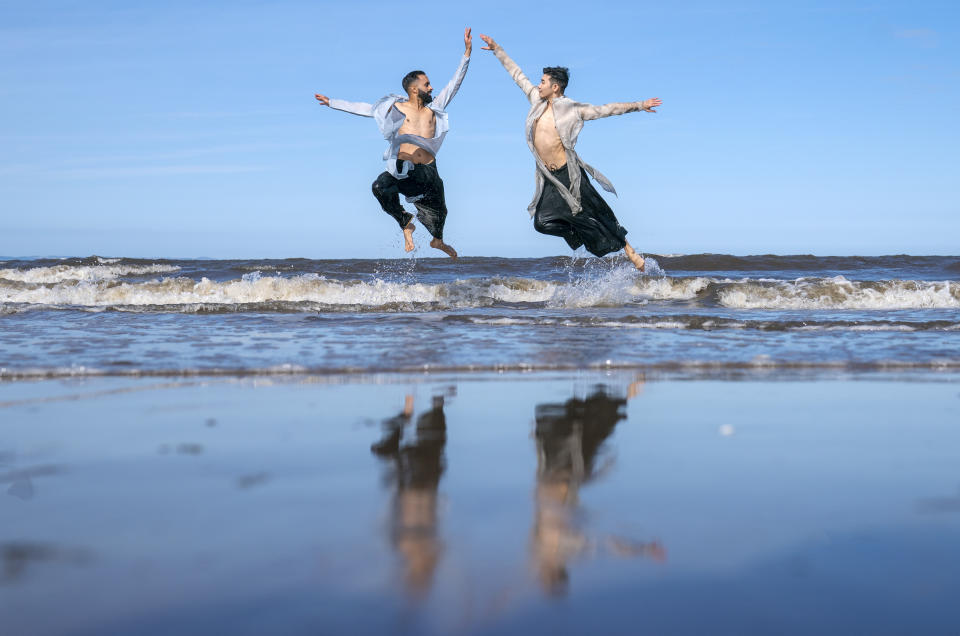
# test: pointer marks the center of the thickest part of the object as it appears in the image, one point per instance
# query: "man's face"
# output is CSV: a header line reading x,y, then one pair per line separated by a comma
x,y
422,86
548,87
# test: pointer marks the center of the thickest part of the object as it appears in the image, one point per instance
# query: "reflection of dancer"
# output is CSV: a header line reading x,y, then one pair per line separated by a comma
x,y
565,203
569,440
415,126
416,468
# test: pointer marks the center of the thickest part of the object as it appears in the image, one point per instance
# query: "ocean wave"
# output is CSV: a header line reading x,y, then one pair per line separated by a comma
x,y
840,293
86,273
257,289
312,291
616,287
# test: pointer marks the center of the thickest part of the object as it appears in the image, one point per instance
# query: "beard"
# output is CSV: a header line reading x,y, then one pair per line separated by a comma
x,y
425,98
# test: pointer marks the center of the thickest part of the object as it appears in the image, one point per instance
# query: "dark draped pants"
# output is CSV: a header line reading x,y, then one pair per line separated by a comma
x,y
595,227
422,181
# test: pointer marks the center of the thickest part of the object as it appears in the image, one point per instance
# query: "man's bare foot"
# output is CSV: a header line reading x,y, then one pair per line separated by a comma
x,y
635,258
408,245
440,245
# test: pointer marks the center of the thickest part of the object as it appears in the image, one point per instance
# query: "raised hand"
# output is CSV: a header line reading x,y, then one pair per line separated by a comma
x,y
323,99
648,104
490,44
468,40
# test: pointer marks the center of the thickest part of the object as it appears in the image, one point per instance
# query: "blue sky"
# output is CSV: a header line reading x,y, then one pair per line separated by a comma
x,y
189,129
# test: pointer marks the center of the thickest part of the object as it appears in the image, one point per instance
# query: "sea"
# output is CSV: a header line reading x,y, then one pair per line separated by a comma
x,y
168,317
720,445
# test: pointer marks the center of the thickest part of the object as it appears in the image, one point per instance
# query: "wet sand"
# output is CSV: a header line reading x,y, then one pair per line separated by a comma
x,y
568,502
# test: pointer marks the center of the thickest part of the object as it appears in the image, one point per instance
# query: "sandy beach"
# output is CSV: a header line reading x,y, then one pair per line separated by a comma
x,y
741,502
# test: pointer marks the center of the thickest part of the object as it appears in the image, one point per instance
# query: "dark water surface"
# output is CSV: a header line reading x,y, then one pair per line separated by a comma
x,y
765,501
116,316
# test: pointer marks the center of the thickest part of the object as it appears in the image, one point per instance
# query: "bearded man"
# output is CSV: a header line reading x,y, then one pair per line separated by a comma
x,y
415,128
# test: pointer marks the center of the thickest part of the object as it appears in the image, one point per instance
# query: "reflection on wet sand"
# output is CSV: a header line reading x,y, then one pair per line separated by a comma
x,y
413,473
939,504
18,555
21,481
570,441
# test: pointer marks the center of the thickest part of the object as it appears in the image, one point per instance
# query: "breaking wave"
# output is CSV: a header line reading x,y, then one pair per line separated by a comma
x,y
64,273
98,287
840,293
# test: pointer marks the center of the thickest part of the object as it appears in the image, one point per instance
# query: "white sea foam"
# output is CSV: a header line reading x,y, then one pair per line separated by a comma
x,y
511,321
660,324
98,286
900,328
840,293
255,288
611,288
670,288
652,267
61,273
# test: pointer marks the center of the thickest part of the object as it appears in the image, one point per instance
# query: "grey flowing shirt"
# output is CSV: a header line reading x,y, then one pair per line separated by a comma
x,y
569,117
390,119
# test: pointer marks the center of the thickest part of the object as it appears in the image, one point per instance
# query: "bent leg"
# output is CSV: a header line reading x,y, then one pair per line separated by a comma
x,y
553,216
432,212
543,223
425,184
596,225
387,192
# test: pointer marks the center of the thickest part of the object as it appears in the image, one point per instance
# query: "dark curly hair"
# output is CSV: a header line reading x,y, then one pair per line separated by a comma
x,y
409,79
559,74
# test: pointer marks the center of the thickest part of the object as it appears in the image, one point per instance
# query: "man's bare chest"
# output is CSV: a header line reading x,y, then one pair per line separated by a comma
x,y
422,122
545,128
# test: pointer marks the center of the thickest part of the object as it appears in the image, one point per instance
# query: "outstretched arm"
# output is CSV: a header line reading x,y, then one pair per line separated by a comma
x,y
446,95
355,108
589,111
525,84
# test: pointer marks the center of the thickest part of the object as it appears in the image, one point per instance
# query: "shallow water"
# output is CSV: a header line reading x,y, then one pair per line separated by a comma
x,y
781,501
98,315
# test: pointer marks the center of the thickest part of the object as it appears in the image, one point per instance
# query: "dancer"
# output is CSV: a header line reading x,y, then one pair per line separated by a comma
x,y
570,440
566,203
415,127
415,469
